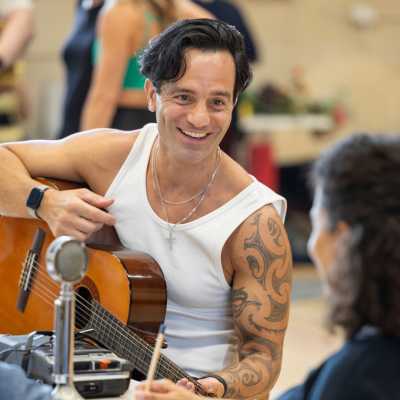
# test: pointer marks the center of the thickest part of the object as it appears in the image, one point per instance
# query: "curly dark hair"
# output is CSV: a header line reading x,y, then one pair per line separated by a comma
x,y
163,59
360,182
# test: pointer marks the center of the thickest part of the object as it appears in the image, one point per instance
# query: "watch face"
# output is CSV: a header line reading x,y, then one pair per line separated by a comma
x,y
35,198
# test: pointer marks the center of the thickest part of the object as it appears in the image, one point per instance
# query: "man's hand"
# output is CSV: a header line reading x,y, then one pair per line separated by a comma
x,y
77,213
211,385
164,390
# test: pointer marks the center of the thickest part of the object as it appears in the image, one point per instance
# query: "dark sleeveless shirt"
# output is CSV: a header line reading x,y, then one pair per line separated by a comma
x,y
77,57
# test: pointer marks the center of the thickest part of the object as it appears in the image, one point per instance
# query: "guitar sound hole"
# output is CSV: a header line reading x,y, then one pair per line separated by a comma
x,y
83,306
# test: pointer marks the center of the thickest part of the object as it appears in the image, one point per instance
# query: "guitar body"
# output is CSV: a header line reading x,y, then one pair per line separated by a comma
x,y
128,284
122,298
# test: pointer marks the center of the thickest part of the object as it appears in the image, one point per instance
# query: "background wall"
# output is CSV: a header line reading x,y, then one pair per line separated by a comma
x,y
44,70
360,65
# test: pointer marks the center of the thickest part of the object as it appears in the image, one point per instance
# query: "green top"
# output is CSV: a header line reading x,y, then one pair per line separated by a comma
x,y
133,78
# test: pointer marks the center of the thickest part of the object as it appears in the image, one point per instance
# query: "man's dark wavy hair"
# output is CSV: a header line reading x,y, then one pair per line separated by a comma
x,y
163,59
360,182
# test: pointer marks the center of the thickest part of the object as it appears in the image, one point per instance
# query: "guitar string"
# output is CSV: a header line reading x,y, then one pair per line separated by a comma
x,y
141,362
177,372
42,285
80,300
87,314
171,368
170,365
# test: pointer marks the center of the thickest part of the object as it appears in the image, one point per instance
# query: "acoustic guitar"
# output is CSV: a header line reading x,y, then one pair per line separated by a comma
x,y
121,300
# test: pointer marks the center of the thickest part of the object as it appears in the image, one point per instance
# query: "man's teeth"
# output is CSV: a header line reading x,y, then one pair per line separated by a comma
x,y
196,135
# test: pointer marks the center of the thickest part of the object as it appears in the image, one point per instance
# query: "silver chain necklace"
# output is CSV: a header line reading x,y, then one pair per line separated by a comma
x,y
164,203
170,202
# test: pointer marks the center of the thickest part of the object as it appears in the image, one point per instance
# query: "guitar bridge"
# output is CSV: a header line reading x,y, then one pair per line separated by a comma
x,y
29,269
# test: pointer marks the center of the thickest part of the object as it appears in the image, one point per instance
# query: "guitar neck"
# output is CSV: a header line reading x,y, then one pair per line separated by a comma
x,y
127,344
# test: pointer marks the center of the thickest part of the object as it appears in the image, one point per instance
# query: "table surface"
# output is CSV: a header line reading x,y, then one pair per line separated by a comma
x,y
294,139
260,123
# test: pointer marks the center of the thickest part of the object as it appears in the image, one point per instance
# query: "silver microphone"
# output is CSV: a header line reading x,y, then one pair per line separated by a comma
x,y
66,260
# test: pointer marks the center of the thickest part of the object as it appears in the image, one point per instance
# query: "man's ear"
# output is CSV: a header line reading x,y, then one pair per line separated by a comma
x,y
151,95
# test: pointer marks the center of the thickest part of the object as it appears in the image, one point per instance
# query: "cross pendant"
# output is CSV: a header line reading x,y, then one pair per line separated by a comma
x,y
170,238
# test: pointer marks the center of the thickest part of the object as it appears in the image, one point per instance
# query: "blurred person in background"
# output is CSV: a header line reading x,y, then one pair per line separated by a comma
x,y
230,13
16,32
355,247
227,11
77,57
116,98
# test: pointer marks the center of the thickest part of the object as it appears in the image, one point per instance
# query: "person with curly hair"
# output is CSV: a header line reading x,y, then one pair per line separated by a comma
x,y
355,246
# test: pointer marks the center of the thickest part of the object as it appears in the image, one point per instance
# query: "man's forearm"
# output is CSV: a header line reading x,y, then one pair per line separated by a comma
x,y
15,185
252,377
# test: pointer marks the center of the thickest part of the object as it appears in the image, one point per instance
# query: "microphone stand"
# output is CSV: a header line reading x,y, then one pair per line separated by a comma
x,y
66,263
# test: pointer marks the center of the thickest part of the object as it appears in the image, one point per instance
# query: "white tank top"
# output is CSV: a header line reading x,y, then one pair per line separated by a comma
x,y
199,327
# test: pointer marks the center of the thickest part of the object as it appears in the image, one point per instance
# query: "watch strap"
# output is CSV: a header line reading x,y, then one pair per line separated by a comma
x,y
33,211
218,378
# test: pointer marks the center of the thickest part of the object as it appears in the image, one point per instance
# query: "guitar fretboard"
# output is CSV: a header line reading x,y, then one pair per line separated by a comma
x,y
127,344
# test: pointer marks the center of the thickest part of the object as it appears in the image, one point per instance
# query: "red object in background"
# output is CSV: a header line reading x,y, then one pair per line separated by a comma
x,y
339,115
262,165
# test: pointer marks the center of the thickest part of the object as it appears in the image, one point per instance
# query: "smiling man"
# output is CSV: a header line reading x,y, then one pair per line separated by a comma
x,y
170,191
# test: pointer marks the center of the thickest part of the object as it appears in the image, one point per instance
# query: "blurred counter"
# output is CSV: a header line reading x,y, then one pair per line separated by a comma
x,y
294,139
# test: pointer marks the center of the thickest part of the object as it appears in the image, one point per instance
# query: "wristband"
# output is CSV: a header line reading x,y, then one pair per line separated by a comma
x,y
218,378
34,200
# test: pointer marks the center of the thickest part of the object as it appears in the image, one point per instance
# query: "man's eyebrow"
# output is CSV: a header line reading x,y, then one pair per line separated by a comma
x,y
181,90
222,93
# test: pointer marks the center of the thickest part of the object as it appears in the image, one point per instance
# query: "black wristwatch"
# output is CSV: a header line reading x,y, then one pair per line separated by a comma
x,y
35,199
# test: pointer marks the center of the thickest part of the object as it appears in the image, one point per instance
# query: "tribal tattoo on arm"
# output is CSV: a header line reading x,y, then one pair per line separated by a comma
x,y
260,301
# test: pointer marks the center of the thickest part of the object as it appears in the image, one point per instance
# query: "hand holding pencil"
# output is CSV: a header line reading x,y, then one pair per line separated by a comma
x,y
155,357
164,389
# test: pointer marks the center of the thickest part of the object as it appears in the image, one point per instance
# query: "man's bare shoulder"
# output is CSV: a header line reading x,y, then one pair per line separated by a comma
x,y
98,140
82,157
260,232
233,178
261,258
266,217
99,154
